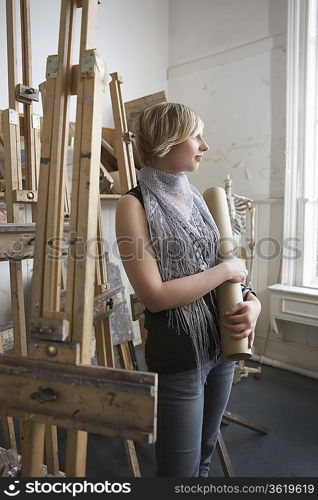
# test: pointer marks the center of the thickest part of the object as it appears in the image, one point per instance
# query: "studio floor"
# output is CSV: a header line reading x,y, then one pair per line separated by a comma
x,y
285,403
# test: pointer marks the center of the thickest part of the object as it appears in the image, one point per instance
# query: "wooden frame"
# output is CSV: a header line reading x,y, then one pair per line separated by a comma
x,y
123,140
101,400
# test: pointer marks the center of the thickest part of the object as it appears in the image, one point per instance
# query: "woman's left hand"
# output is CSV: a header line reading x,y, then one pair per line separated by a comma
x,y
241,319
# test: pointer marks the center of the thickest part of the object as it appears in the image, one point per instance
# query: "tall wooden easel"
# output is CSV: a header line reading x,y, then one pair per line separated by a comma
x,y
54,385
15,191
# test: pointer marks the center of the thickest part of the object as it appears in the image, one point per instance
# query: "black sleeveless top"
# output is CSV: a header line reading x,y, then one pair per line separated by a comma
x,y
165,350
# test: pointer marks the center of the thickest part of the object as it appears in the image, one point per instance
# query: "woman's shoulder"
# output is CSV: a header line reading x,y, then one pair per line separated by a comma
x,y
131,217
130,208
136,191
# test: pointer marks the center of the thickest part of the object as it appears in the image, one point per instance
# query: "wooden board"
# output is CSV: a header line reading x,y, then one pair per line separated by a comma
x,y
123,138
46,281
108,134
85,200
108,157
101,400
133,110
135,107
17,242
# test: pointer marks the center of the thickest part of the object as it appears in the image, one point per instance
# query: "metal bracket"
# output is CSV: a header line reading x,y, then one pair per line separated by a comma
x,y
36,123
13,117
88,63
26,94
90,58
129,137
52,66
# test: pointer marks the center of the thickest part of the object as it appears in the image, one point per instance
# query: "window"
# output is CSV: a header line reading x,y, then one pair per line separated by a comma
x,y
300,268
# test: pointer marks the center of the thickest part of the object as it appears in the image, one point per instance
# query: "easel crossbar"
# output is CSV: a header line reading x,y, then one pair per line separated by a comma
x,y
94,399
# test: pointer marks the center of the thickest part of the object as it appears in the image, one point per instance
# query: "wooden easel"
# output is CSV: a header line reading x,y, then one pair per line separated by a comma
x,y
71,394
15,191
127,175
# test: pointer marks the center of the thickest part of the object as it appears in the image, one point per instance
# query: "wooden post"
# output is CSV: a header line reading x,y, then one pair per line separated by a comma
x,y
8,429
123,144
31,122
103,335
13,179
84,210
32,439
46,281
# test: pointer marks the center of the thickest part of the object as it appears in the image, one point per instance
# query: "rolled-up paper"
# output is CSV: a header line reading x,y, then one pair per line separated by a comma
x,y
228,293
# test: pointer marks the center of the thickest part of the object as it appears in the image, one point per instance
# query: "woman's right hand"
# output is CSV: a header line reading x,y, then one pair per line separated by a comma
x,y
235,269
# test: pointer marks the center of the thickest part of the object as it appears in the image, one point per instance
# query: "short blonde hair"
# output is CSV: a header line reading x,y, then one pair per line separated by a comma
x,y
162,126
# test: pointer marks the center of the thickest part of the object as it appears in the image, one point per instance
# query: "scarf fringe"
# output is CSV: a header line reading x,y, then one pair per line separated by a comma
x,y
171,241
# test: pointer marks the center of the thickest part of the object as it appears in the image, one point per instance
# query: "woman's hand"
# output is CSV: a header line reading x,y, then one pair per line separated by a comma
x,y
235,269
241,319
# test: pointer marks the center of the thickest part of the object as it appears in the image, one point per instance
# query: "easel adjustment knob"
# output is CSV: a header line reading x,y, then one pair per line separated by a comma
x,y
45,329
26,94
129,137
51,350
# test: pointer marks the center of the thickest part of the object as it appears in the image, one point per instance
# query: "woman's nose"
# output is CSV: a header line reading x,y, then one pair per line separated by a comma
x,y
204,146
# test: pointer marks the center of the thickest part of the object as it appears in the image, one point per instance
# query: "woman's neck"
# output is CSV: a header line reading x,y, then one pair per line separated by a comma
x,y
165,166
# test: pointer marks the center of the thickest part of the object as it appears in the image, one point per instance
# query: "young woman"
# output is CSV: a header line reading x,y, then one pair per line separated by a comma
x,y
168,242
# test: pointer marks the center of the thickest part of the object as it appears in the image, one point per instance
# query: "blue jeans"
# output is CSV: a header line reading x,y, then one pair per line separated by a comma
x,y
189,418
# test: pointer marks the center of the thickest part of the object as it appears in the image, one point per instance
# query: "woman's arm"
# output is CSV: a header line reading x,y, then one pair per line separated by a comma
x,y
140,264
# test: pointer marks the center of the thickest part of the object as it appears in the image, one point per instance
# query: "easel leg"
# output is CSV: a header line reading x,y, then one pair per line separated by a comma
x,y
242,421
224,457
76,462
104,344
51,450
132,458
9,436
8,429
32,448
129,445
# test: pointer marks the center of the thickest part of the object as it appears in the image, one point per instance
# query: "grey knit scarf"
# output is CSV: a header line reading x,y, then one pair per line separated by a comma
x,y
184,238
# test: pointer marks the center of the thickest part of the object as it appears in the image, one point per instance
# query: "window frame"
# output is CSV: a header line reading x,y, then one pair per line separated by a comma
x,y
301,178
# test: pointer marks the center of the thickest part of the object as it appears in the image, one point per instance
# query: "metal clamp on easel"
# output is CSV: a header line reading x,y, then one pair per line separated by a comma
x,y
26,94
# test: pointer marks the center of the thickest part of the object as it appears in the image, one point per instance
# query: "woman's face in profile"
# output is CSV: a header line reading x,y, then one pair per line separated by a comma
x,y
186,156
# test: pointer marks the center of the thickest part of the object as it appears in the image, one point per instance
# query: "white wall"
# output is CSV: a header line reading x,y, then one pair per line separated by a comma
x,y
198,29
221,64
131,36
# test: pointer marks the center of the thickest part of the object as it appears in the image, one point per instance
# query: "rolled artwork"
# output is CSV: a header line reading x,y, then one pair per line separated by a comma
x,y
228,294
